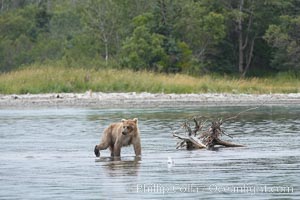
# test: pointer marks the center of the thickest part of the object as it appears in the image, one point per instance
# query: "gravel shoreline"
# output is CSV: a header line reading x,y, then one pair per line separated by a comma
x,y
143,100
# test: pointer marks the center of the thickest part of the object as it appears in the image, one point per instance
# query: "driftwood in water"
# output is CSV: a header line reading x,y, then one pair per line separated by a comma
x,y
189,141
195,138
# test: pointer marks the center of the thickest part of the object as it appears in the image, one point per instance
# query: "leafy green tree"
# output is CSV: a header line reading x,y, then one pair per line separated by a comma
x,y
246,21
144,50
68,37
285,39
166,14
101,17
200,29
17,23
16,39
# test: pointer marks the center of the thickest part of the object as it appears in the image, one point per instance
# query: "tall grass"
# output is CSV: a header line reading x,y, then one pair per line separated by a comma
x,y
48,79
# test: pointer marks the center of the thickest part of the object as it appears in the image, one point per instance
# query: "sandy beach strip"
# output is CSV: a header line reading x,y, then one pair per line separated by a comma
x,y
143,100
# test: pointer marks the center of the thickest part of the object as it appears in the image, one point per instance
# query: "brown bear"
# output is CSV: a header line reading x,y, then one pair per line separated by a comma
x,y
118,135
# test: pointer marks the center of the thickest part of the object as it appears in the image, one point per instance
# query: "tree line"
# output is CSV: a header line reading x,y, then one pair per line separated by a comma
x,y
244,37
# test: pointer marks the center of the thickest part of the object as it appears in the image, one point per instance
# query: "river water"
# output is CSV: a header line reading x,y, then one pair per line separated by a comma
x,y
48,154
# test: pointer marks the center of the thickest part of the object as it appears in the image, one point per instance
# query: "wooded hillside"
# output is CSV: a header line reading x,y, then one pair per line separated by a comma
x,y
244,37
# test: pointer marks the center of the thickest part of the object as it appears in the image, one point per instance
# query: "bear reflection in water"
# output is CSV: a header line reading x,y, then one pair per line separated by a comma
x,y
114,166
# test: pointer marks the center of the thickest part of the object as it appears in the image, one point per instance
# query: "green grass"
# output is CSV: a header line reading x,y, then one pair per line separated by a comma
x,y
47,79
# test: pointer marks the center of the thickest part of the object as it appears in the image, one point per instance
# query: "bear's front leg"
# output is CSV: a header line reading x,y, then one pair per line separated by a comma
x,y
117,150
96,151
111,148
101,146
137,148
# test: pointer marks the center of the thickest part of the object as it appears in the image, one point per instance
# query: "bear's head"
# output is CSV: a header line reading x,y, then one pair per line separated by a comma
x,y
129,126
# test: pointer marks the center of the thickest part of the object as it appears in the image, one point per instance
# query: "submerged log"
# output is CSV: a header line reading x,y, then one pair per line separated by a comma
x,y
228,144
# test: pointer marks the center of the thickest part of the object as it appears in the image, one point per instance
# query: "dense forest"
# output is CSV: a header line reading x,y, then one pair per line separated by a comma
x,y
242,37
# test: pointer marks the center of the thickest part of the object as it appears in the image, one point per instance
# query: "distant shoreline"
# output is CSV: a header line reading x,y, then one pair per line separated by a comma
x,y
143,100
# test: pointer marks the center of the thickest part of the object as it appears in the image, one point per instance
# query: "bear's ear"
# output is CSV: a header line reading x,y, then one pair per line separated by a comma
x,y
123,120
135,120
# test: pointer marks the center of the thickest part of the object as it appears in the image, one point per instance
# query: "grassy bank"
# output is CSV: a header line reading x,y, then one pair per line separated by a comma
x,y
46,79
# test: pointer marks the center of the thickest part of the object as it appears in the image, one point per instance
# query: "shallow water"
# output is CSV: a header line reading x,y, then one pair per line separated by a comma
x,y
48,154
